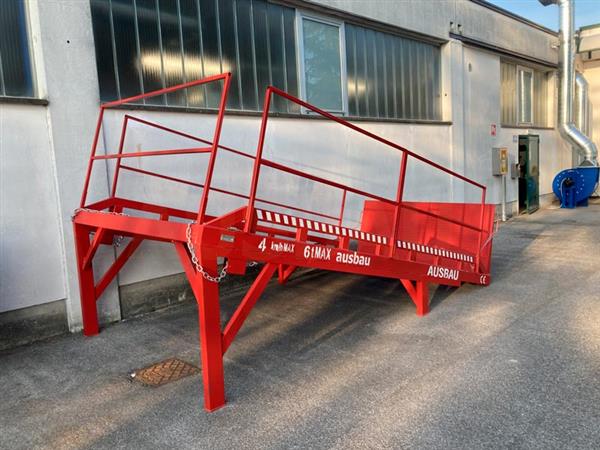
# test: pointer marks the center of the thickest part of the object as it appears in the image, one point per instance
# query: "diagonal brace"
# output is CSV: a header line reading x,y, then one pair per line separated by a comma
x,y
117,265
247,303
419,294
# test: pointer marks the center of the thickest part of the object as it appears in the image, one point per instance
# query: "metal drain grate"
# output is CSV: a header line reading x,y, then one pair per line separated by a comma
x,y
164,372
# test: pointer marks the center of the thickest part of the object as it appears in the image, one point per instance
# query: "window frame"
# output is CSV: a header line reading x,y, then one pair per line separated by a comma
x,y
529,70
35,84
300,16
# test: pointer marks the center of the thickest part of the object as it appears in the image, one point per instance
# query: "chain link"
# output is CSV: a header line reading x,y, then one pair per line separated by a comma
x,y
117,238
199,268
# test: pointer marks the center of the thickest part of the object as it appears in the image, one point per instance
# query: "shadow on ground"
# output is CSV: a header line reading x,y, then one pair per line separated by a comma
x,y
342,361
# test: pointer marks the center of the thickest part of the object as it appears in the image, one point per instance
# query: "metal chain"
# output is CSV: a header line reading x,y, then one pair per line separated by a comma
x,y
199,268
117,238
114,213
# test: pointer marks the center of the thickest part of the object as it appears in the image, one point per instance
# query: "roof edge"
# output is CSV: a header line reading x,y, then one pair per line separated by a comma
x,y
512,15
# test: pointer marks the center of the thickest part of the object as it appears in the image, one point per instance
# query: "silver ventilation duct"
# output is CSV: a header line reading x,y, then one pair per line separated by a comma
x,y
568,130
581,101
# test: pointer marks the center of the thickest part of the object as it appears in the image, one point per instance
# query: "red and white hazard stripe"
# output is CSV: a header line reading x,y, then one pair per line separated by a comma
x,y
322,227
435,251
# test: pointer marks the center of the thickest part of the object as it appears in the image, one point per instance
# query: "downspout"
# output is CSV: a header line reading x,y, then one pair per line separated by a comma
x,y
568,130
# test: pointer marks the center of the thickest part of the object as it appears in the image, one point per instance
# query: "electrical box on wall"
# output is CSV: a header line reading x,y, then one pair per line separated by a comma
x,y
499,161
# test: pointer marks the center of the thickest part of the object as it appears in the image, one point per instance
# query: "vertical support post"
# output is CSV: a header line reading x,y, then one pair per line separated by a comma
x,y
213,153
88,173
113,190
480,236
87,288
257,163
209,319
398,207
422,298
342,208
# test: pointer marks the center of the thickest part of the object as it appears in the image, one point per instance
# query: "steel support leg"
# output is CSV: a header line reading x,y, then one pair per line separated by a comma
x,y
419,294
87,289
209,317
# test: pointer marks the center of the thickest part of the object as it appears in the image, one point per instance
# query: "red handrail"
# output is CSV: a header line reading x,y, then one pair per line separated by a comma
x,y
398,202
226,77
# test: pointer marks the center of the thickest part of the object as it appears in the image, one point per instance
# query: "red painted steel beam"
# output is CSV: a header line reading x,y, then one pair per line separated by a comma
x,y
117,266
98,236
250,247
209,318
150,207
134,226
213,154
182,151
230,219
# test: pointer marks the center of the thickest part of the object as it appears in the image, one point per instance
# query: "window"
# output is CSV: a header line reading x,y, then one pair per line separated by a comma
x,y
322,64
391,76
524,95
144,45
16,74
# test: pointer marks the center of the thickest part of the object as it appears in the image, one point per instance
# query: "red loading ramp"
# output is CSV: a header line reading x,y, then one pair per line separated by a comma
x,y
448,244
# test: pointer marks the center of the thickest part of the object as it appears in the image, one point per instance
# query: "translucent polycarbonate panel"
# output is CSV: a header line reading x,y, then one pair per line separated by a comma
x,y
192,54
229,54
525,100
277,53
361,73
104,49
351,72
540,99
211,57
392,77
390,66
246,51
145,45
371,74
508,86
380,57
172,56
289,31
322,64
16,74
150,62
125,47
261,49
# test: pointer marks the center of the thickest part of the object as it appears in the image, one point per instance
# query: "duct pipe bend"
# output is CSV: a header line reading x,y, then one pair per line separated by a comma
x,y
567,128
584,145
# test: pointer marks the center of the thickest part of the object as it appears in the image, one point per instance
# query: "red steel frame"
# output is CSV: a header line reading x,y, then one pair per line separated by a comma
x,y
242,235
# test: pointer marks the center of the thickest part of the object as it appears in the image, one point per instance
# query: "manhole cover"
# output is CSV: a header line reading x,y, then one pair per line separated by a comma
x,y
164,372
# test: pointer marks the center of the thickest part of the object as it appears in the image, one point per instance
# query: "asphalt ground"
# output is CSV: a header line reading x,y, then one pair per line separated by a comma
x,y
340,361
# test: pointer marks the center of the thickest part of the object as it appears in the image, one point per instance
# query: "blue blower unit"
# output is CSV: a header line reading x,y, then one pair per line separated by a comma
x,y
573,187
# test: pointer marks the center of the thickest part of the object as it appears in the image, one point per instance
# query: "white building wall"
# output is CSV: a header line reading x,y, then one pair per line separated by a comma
x,y
31,253
62,132
592,75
